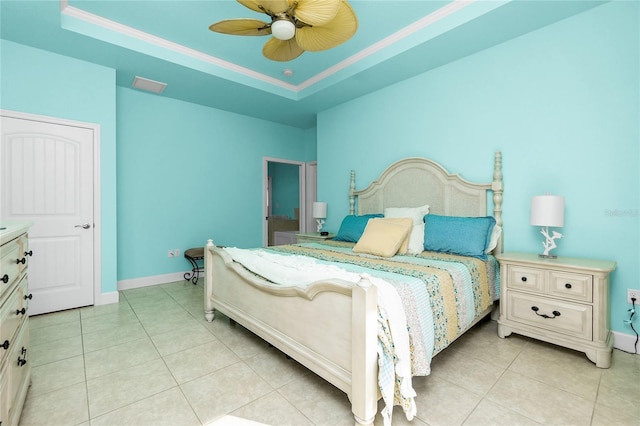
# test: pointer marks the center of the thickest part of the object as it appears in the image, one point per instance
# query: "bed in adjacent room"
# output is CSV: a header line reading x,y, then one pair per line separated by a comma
x,y
410,270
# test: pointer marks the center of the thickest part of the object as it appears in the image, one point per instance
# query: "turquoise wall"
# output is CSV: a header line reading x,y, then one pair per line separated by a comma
x,y
187,173
44,83
561,103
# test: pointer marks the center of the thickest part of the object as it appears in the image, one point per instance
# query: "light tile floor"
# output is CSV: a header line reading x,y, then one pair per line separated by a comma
x,y
152,359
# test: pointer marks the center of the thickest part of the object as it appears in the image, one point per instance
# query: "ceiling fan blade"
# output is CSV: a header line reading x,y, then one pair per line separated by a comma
x,y
336,32
275,6
251,4
314,12
244,27
281,50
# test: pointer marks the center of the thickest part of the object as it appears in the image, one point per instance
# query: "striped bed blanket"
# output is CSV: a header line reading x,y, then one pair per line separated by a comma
x,y
440,296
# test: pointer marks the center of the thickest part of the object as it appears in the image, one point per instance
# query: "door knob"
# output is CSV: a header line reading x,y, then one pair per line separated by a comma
x,y
85,226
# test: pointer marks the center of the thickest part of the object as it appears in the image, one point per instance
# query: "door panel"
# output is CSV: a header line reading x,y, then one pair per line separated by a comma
x,y
47,178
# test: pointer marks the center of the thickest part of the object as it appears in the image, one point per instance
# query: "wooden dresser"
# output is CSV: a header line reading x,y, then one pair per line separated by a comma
x,y
564,301
15,369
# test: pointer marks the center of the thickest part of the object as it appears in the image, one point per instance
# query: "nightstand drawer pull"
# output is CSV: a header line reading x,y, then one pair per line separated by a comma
x,y
5,278
523,279
567,285
5,345
536,309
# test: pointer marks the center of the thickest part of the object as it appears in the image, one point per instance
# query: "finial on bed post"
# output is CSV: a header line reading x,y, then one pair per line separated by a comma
x,y
209,242
498,188
352,190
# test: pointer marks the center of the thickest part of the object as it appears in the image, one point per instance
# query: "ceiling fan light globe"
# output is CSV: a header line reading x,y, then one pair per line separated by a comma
x,y
283,29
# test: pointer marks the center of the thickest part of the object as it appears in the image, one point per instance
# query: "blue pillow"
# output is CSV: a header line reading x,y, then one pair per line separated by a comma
x,y
353,226
467,236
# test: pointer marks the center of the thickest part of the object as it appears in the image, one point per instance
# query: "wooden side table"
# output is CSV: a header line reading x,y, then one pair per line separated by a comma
x,y
313,237
564,301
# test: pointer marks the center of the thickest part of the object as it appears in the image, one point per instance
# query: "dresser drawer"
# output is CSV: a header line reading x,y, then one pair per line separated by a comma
x,y
10,269
523,278
554,315
4,394
12,313
571,286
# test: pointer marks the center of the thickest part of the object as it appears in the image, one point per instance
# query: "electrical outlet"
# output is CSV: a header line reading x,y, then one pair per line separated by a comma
x,y
176,252
635,293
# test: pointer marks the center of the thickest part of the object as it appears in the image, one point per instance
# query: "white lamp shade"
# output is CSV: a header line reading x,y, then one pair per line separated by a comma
x,y
547,210
283,29
319,210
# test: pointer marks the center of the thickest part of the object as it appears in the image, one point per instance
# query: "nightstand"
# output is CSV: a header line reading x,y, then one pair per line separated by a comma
x,y
564,301
313,237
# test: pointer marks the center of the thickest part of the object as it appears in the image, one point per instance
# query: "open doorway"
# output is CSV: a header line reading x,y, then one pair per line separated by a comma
x,y
286,188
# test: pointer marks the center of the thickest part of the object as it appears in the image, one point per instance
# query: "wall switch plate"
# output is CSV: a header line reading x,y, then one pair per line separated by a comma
x,y
635,293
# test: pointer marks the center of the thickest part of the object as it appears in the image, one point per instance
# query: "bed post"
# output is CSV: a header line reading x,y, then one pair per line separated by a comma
x,y
352,190
208,276
498,188
364,351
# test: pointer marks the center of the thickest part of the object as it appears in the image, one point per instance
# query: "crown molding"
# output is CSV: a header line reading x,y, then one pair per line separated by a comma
x,y
410,30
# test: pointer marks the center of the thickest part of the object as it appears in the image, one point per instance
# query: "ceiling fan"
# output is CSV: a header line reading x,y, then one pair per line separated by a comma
x,y
296,26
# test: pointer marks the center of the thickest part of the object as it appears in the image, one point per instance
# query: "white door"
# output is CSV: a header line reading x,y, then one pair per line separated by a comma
x,y
47,178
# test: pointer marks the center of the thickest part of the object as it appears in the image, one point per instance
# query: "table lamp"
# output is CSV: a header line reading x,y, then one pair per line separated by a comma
x,y
548,210
319,214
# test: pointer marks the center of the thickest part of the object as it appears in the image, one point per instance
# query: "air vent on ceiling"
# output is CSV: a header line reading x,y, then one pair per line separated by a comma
x,y
148,85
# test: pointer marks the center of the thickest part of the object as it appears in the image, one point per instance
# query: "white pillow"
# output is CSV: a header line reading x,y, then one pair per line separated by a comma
x,y
495,236
416,236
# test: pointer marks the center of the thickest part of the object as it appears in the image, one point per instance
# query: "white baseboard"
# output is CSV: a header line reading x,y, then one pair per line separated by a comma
x,y
624,342
107,298
152,280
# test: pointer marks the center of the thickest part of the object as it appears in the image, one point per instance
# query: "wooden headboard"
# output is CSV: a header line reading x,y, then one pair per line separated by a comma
x,y
414,182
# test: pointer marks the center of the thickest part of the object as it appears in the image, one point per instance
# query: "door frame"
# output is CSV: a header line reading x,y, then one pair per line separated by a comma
x,y
97,223
302,176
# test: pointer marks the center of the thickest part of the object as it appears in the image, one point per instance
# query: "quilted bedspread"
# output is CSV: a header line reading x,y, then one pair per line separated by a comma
x,y
458,289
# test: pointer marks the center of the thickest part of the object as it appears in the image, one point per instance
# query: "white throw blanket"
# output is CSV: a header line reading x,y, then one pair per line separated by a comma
x,y
293,270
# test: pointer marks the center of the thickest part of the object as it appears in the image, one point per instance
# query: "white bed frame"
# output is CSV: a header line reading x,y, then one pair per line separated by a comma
x,y
331,327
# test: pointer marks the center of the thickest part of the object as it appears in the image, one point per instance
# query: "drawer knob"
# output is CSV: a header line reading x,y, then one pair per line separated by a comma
x,y
567,285
28,253
5,345
5,278
523,279
23,260
545,316
21,311
28,296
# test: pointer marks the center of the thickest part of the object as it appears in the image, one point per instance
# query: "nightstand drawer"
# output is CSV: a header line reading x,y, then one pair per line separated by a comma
x,y
562,317
571,286
523,278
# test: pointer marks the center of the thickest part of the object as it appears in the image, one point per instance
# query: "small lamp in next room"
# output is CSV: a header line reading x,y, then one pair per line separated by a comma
x,y
319,213
548,211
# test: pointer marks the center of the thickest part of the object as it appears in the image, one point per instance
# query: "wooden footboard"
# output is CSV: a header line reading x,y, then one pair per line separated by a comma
x,y
329,327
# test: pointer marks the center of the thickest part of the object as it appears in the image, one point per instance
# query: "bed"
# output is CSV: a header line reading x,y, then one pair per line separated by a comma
x,y
331,326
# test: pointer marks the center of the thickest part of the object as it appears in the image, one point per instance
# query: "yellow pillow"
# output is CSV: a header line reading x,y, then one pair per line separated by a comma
x,y
385,237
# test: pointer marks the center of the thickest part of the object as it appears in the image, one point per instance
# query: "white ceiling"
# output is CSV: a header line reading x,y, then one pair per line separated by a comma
x,y
169,41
